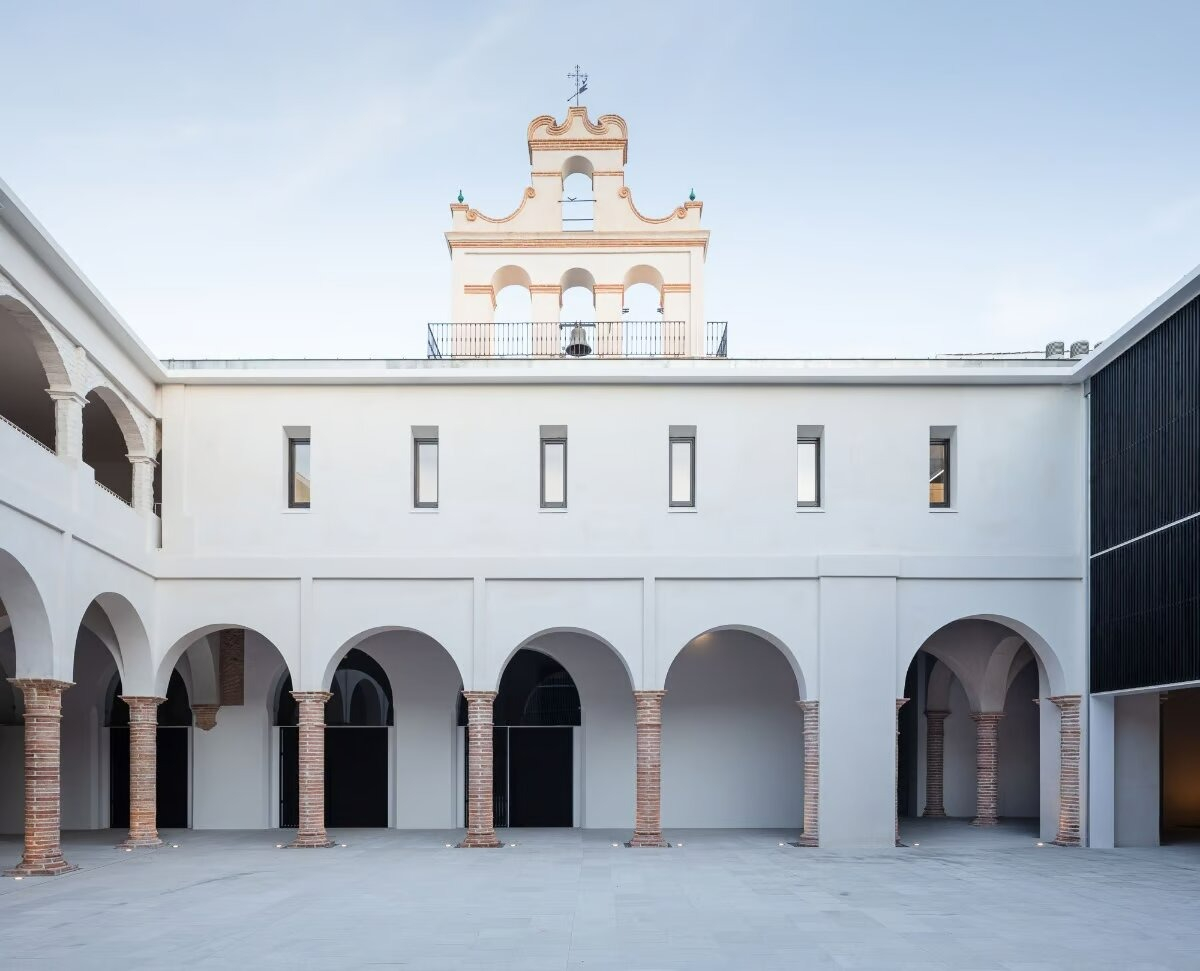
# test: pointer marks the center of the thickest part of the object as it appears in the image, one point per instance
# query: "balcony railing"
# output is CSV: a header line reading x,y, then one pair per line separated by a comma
x,y
574,339
20,430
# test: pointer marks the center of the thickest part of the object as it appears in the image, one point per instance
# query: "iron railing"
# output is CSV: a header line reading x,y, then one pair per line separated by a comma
x,y
36,441
105,488
581,338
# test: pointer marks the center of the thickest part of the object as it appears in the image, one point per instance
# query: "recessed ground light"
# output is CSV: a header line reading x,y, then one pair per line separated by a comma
x,y
129,849
512,844
616,844
447,846
174,846
279,846
342,845
1041,844
679,844
18,878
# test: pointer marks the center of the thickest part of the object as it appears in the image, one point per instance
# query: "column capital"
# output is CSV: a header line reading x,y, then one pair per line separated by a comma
x,y
809,704
1065,701
936,713
480,696
648,707
986,716
136,458
142,701
67,394
321,696
205,716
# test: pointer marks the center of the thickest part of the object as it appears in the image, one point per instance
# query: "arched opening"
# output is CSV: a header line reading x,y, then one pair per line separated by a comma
x,y
12,733
510,288
105,448
732,742
173,762
357,742
535,717
577,313
578,195
972,736
23,378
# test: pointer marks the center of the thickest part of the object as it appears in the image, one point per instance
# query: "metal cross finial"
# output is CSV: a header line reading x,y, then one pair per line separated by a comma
x,y
580,84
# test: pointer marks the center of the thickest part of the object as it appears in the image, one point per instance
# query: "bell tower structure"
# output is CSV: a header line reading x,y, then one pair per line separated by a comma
x,y
537,246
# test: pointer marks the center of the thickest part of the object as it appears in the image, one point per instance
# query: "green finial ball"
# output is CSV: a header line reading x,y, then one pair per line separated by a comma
x,y
692,195
461,199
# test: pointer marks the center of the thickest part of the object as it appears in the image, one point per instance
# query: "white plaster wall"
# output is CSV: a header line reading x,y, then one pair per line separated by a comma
x,y
85,743
1018,748
1136,769
958,770
732,749
607,735
858,711
231,763
12,779
876,456
425,686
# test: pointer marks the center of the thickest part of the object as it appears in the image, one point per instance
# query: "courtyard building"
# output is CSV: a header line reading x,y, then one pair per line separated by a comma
x,y
582,567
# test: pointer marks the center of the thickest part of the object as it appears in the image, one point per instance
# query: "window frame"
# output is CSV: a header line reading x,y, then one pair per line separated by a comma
x,y
293,502
416,476
672,441
814,440
544,441
947,442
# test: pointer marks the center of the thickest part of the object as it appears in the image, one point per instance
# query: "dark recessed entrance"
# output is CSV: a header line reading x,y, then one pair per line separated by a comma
x,y
356,747
172,768
536,712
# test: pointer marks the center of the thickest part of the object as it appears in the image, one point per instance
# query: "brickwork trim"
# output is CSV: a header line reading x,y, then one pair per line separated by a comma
x,y
935,763
311,711
42,854
143,771
481,830
204,717
231,666
1068,769
811,836
987,766
647,821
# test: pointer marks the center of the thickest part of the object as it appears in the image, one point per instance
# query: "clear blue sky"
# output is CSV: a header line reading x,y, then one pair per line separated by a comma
x,y
884,178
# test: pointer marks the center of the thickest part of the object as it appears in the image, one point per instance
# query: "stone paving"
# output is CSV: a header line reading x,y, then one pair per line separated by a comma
x,y
564,899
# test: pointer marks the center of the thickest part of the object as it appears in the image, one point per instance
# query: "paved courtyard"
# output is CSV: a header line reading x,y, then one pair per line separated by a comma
x,y
568,899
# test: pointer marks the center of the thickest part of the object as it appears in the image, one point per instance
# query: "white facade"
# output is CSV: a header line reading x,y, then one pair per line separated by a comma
x,y
739,606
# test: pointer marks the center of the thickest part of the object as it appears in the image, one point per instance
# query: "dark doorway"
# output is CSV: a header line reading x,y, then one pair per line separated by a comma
x,y
172,765
535,714
356,747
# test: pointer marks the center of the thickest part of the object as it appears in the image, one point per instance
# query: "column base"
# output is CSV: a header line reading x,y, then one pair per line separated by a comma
x,y
44,868
803,840
983,821
1066,841
310,841
649,839
934,814
140,842
480,841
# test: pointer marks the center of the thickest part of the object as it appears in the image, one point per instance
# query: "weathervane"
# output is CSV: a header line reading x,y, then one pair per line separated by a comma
x,y
580,85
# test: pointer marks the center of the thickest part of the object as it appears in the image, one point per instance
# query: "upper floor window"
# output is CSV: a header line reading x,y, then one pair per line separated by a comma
x,y
808,467
425,468
299,475
939,471
682,445
554,467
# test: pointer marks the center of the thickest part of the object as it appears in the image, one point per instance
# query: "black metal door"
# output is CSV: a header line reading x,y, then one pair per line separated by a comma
x,y
289,777
172,782
540,776
118,777
171,787
356,775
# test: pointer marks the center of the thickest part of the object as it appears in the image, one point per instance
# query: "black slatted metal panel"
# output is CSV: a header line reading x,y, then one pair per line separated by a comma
x,y
1146,611
1146,433
1145,475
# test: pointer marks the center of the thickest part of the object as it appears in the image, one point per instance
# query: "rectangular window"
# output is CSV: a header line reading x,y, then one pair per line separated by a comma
x,y
683,470
425,473
299,483
939,473
554,472
808,471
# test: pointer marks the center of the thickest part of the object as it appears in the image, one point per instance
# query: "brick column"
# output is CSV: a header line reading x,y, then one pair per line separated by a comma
x,y
204,716
900,703
647,820
143,771
311,707
986,766
43,717
481,830
935,760
1068,770
812,773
